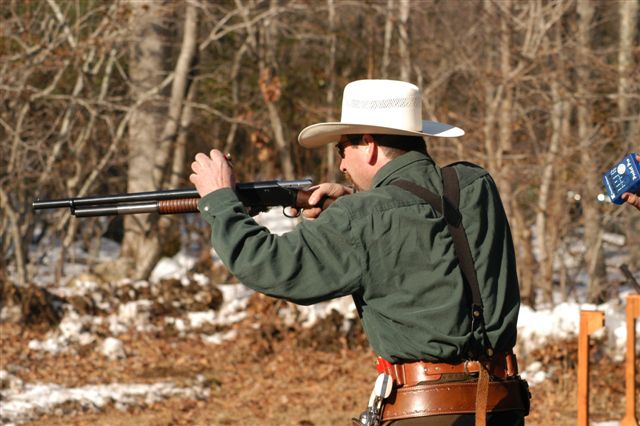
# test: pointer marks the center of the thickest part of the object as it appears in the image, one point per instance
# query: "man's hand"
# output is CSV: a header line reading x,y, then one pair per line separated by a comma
x,y
332,190
633,199
212,172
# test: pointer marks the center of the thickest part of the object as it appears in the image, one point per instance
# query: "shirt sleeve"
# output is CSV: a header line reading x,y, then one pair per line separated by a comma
x,y
319,260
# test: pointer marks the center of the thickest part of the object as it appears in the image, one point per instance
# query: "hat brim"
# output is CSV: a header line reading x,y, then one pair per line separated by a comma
x,y
325,133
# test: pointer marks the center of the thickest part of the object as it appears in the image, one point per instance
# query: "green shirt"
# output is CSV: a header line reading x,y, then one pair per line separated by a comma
x,y
392,252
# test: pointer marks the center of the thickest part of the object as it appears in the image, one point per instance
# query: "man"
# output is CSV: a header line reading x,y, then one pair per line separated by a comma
x,y
633,199
393,251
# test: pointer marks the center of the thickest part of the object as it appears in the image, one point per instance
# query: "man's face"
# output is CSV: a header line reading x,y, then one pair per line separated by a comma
x,y
353,162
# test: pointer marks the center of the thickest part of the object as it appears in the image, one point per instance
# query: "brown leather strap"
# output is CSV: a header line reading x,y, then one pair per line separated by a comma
x,y
482,396
453,398
502,366
448,205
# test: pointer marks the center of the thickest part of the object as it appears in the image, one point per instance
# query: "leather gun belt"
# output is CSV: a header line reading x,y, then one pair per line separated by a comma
x,y
501,366
452,398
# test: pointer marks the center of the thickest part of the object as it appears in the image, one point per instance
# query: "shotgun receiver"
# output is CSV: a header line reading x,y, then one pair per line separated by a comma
x,y
256,196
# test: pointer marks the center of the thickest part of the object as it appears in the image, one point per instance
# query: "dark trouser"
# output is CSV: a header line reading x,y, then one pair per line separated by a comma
x,y
506,418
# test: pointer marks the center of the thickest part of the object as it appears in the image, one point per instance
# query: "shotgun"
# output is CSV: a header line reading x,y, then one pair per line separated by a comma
x,y
255,196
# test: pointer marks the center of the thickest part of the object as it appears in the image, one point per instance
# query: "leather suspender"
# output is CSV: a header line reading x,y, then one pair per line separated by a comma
x,y
448,206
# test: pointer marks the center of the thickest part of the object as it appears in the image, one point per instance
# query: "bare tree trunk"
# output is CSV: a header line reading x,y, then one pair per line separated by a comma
x,y
179,90
371,32
271,91
526,260
403,41
522,233
545,248
628,11
152,134
627,109
563,214
504,113
498,130
13,227
388,33
550,217
147,68
235,87
250,43
588,156
492,95
180,152
331,87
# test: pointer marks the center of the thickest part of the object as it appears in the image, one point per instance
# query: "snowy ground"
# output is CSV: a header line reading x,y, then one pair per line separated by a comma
x,y
22,401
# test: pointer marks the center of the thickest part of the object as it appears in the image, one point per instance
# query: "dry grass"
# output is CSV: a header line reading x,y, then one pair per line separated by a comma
x,y
275,375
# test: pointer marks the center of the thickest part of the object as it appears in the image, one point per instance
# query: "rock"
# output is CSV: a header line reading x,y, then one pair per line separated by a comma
x,y
85,282
11,314
84,305
38,307
113,349
10,382
10,310
175,297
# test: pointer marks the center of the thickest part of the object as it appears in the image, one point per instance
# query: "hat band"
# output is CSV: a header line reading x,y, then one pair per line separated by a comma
x,y
406,102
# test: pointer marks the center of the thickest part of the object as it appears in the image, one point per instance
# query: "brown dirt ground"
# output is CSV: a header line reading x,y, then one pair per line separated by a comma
x,y
275,375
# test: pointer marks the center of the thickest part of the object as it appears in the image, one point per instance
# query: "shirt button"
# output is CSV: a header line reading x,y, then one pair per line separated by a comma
x,y
206,208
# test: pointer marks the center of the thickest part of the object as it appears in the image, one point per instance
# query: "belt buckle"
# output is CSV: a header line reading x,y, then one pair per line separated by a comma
x,y
467,363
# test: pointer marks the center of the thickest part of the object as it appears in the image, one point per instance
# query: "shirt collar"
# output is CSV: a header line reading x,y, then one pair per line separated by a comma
x,y
394,169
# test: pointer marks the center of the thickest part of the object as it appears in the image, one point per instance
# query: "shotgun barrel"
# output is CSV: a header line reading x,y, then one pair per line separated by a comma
x,y
256,196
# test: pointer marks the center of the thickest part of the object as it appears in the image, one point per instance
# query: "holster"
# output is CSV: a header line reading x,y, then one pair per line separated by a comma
x,y
455,398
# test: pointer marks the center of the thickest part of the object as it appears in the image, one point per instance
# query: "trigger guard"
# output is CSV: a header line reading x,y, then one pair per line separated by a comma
x,y
290,216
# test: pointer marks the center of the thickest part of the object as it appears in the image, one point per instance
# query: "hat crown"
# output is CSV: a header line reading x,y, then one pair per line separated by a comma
x,y
387,103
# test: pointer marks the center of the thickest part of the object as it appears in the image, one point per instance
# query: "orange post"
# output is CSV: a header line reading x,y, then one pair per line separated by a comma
x,y
633,312
590,322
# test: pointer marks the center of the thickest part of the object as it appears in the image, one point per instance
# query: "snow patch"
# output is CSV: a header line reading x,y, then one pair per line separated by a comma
x,y
34,400
113,348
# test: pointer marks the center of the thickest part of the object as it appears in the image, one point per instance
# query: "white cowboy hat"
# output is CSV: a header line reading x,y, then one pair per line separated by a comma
x,y
385,107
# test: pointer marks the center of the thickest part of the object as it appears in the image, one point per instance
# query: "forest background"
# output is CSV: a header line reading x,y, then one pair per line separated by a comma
x,y
107,97
104,97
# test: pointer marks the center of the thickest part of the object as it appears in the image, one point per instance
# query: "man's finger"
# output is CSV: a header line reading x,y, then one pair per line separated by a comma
x,y
313,198
201,158
318,193
311,213
216,153
632,199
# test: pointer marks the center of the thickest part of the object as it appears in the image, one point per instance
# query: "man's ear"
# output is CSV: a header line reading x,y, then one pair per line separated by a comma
x,y
371,149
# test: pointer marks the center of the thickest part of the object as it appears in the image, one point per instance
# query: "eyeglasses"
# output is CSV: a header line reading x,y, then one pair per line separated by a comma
x,y
350,140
